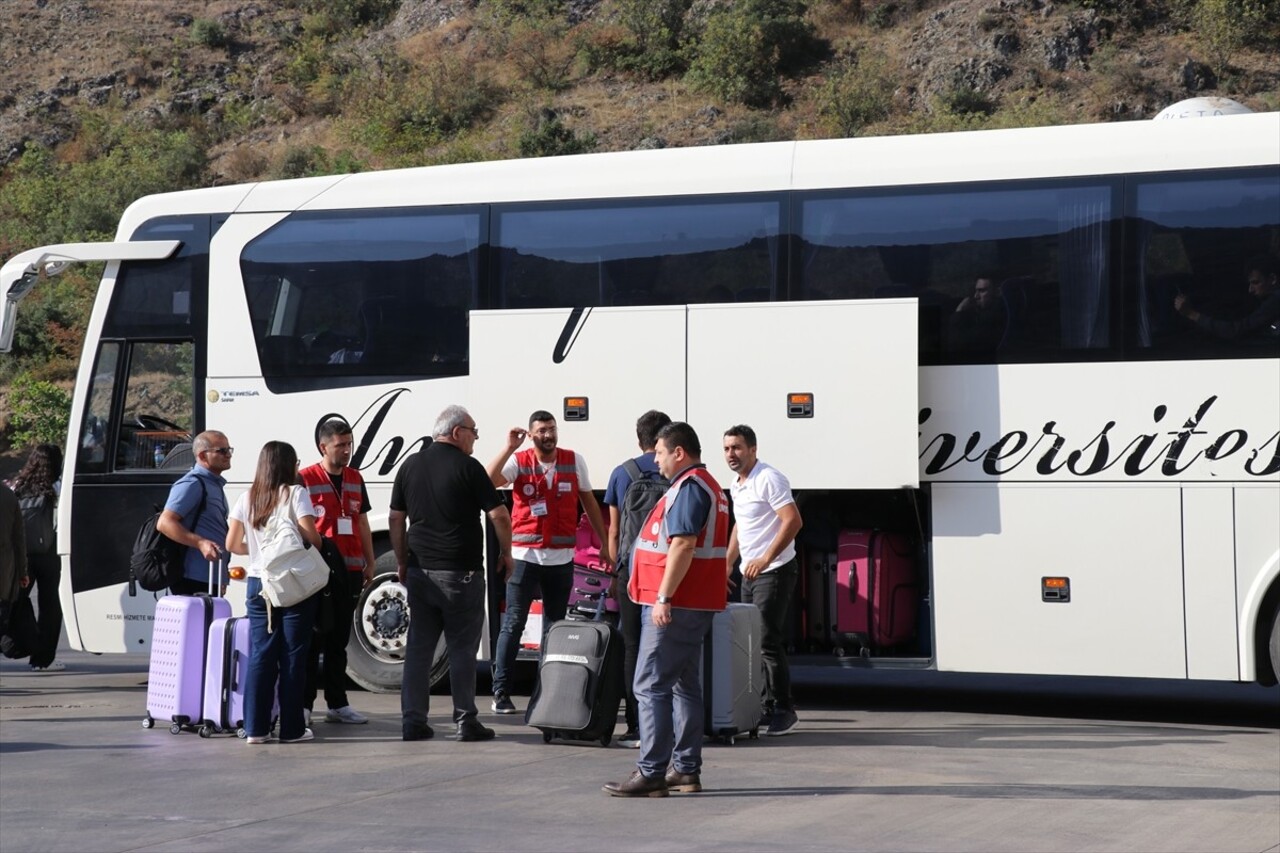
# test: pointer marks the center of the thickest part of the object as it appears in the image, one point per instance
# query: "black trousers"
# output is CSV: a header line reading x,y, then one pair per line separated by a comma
x,y
629,625
772,592
45,571
327,660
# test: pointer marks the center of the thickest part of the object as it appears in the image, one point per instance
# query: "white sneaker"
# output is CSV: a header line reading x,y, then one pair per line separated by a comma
x,y
307,734
55,666
257,739
345,714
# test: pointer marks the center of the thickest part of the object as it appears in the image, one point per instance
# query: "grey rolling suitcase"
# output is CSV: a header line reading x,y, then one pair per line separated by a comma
x,y
733,673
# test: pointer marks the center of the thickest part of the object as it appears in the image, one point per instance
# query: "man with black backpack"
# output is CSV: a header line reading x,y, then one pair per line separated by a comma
x,y
634,487
195,515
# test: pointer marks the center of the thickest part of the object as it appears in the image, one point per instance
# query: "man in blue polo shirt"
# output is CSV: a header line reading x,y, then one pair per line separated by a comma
x,y
195,515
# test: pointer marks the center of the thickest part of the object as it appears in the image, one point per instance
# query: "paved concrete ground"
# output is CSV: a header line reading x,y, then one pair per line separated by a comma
x,y
877,766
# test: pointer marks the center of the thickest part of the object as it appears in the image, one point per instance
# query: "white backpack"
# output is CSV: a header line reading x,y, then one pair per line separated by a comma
x,y
292,571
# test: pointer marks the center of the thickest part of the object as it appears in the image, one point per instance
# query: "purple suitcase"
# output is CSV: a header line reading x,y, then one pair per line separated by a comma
x,y
589,583
877,596
179,642
224,676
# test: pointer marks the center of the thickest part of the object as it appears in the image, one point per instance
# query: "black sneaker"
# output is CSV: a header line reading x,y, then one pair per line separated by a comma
x,y
410,731
784,723
471,730
502,704
766,719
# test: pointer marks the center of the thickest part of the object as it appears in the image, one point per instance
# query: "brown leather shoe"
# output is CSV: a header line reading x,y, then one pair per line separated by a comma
x,y
638,785
685,783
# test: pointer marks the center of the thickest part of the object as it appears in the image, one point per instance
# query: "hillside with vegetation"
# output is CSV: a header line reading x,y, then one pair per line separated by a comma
x,y
103,101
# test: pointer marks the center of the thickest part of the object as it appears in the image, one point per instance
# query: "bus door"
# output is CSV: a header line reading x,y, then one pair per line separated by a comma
x,y
134,415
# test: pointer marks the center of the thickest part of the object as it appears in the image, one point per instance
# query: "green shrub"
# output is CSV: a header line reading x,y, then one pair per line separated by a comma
x,y
883,16
208,33
855,95
38,412
964,100
747,47
548,137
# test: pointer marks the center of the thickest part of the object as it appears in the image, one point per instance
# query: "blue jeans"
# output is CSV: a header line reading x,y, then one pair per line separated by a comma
x,y
528,580
669,691
280,654
452,604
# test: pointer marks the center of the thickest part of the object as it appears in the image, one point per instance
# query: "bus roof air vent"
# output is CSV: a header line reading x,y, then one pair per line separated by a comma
x,y
1203,107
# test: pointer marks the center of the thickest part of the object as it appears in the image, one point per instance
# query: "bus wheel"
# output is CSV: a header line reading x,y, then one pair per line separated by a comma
x,y
1274,645
380,634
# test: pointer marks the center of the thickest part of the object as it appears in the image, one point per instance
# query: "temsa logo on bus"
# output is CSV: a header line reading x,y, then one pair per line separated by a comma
x,y
1139,455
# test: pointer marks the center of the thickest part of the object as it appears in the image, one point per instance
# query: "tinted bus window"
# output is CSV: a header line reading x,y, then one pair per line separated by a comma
x,y
1001,274
665,253
1205,255
162,298
364,294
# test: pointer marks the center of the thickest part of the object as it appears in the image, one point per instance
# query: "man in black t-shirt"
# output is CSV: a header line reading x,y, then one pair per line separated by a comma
x,y
441,492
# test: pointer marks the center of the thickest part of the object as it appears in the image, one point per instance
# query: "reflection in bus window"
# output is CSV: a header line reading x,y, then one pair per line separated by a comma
x,y
1047,248
368,294
92,456
155,423
1196,241
670,253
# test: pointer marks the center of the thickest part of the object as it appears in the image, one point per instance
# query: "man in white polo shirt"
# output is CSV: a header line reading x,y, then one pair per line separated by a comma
x,y
766,521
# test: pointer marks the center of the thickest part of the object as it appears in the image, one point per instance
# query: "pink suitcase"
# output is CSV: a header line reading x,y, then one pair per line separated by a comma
x,y
175,677
224,676
876,594
588,585
587,550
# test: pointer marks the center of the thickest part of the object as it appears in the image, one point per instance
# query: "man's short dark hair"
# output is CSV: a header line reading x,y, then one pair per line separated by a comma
x,y
680,434
540,415
743,432
647,427
331,429
1264,264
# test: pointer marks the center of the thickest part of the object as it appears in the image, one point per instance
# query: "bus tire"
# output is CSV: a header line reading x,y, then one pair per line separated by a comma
x,y
1274,644
380,634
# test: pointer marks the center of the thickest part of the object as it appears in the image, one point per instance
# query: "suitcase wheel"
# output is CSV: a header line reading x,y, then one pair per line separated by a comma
x,y
175,729
755,733
241,733
605,738
206,731
546,737
148,722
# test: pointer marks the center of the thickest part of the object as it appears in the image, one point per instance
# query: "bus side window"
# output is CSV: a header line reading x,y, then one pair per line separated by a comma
x,y
91,458
156,418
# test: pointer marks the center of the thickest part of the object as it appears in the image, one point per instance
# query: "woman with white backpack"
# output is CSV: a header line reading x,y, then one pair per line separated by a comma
x,y
273,523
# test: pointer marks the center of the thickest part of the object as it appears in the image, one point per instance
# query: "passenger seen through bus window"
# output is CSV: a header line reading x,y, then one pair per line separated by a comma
x,y
1262,324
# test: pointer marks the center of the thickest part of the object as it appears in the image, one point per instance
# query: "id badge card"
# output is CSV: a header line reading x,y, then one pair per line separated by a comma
x,y
345,527
538,508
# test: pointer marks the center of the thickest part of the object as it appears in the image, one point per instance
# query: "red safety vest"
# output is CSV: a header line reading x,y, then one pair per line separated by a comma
x,y
559,527
329,508
704,586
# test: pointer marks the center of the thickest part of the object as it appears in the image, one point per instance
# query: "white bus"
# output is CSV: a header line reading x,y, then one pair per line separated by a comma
x,y
1090,482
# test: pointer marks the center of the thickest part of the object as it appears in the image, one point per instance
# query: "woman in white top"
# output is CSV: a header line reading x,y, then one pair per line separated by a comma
x,y
282,650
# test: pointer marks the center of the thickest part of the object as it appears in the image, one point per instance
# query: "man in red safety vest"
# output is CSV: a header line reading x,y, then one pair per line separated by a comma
x,y
341,502
677,577
548,482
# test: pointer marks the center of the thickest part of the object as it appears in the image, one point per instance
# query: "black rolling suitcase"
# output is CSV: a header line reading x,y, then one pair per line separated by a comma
x,y
579,682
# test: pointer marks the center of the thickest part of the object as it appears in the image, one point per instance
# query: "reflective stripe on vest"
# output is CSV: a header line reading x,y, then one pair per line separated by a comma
x,y
325,499
559,527
703,586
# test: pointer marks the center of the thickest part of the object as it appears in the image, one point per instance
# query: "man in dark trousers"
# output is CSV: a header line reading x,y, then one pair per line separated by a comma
x,y
548,483
341,502
764,535
677,576
647,427
441,491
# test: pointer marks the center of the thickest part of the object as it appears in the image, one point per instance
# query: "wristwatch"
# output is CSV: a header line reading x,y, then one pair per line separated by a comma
x,y
663,599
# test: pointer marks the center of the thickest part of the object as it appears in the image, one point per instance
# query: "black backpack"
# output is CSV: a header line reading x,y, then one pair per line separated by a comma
x,y
642,495
37,512
156,561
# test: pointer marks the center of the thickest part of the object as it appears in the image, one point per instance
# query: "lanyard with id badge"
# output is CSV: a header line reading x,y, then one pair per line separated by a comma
x,y
346,525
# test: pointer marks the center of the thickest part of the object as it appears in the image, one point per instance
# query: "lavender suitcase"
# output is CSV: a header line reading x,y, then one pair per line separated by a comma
x,y
589,583
733,673
877,596
224,676
175,677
